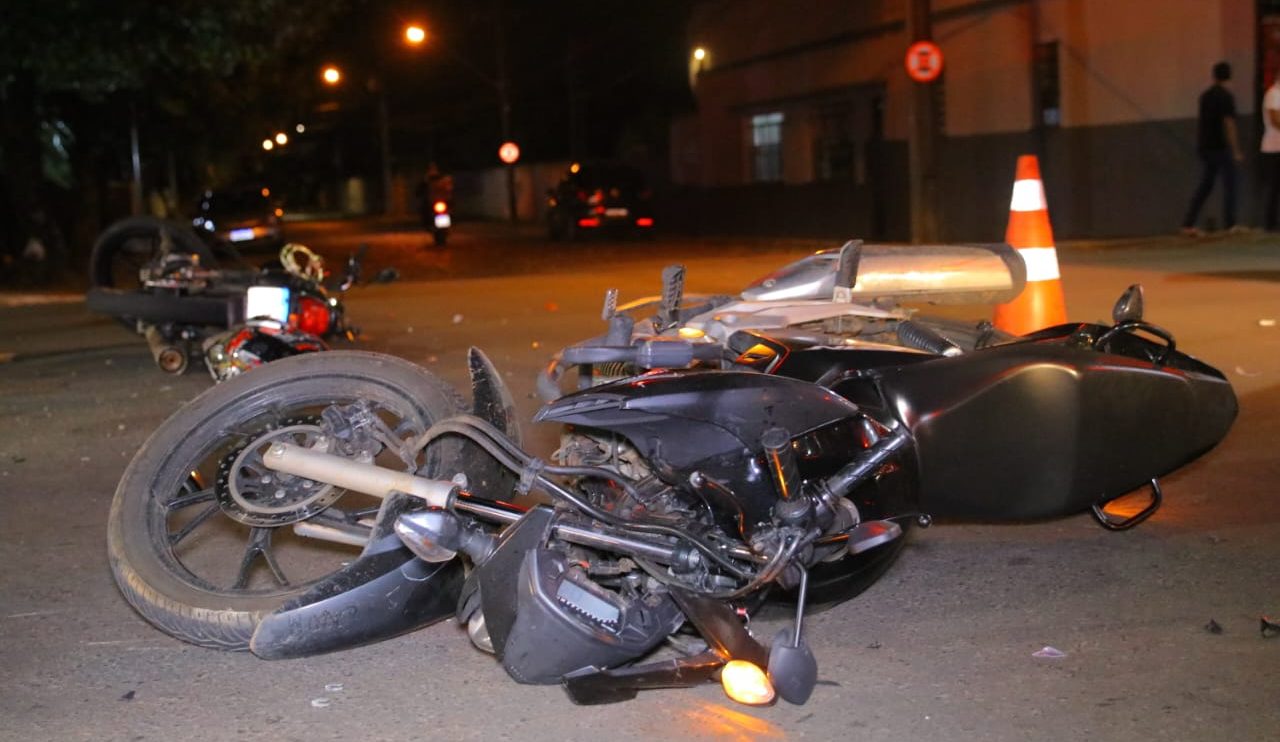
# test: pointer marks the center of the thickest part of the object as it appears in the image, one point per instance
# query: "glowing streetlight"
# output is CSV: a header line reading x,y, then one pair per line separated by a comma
x,y
415,34
331,75
699,54
300,128
268,145
281,138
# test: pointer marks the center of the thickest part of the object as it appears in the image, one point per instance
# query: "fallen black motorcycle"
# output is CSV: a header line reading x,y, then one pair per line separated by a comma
x,y
702,476
169,284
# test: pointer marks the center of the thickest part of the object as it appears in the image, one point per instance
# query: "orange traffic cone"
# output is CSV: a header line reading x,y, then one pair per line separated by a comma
x,y
1040,304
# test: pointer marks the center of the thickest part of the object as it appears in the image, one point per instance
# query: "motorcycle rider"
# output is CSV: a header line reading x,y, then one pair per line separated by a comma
x,y
434,186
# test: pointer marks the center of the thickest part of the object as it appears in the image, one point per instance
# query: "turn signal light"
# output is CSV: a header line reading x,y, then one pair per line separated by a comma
x,y
746,683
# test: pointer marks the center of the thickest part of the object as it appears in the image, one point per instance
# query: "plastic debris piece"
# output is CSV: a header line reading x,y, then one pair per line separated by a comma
x,y
457,319
1270,627
320,703
1241,370
333,687
1213,627
1266,322
1049,653
129,696
874,645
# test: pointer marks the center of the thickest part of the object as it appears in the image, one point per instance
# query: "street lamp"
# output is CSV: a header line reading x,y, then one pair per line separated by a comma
x,y
268,145
282,138
415,34
331,75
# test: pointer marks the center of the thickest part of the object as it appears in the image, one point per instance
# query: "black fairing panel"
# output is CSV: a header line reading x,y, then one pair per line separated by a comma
x,y
1046,428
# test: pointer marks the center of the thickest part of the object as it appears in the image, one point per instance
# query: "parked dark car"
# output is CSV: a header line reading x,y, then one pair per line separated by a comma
x,y
599,197
244,216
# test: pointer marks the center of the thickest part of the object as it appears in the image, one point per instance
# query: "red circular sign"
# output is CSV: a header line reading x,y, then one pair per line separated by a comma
x,y
924,61
508,152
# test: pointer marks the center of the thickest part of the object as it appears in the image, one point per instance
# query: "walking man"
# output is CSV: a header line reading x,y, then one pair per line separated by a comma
x,y
1219,147
1271,150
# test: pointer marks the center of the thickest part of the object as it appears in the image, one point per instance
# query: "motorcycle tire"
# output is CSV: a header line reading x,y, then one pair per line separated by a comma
x,y
127,245
169,578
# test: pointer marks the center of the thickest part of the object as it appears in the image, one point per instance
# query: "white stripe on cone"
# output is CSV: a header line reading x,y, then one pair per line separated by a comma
x,y
1028,195
1042,263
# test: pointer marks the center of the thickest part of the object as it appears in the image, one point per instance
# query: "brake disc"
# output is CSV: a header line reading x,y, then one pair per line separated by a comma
x,y
249,492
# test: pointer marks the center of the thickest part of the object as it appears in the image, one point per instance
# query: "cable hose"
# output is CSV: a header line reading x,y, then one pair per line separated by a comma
x,y
924,338
496,444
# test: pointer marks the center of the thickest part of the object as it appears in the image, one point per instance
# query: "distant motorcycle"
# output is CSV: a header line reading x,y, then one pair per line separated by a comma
x,y
162,280
439,221
720,456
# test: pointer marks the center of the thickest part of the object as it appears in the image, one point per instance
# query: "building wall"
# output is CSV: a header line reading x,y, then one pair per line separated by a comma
x,y
1121,161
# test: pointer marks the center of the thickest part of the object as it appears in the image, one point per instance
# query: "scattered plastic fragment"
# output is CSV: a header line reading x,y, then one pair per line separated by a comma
x,y
320,703
333,688
1266,322
1213,627
129,696
457,319
1270,627
1049,653
874,645
1240,370
84,459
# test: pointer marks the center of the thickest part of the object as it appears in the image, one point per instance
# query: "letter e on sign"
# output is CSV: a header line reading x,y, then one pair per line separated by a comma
x,y
508,152
924,61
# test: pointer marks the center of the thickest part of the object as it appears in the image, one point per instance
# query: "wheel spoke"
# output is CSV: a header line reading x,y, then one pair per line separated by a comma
x,y
192,524
270,558
194,498
259,544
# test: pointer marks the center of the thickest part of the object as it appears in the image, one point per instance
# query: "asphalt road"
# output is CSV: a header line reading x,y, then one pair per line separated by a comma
x,y
940,649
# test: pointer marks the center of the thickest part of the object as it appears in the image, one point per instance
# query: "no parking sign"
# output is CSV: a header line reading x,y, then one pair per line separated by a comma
x,y
924,61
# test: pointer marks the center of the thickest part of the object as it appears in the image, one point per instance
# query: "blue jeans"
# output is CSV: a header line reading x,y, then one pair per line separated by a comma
x,y
1212,163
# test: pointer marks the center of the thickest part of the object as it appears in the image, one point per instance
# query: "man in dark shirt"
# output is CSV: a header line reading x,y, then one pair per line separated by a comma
x,y
1219,149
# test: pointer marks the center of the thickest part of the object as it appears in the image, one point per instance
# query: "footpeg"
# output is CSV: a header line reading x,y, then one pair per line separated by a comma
x,y
869,534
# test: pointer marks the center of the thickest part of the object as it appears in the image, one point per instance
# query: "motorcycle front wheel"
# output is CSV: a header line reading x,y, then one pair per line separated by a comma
x,y
203,540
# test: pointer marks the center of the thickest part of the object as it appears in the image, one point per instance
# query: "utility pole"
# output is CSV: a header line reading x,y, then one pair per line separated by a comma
x,y
135,188
922,137
384,134
504,103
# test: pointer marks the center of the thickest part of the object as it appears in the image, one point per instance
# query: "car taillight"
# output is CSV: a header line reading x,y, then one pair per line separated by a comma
x,y
313,316
644,221
589,222
440,207
596,197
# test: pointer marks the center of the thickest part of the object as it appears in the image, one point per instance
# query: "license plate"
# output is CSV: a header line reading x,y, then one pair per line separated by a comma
x,y
443,221
241,235
267,302
615,212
